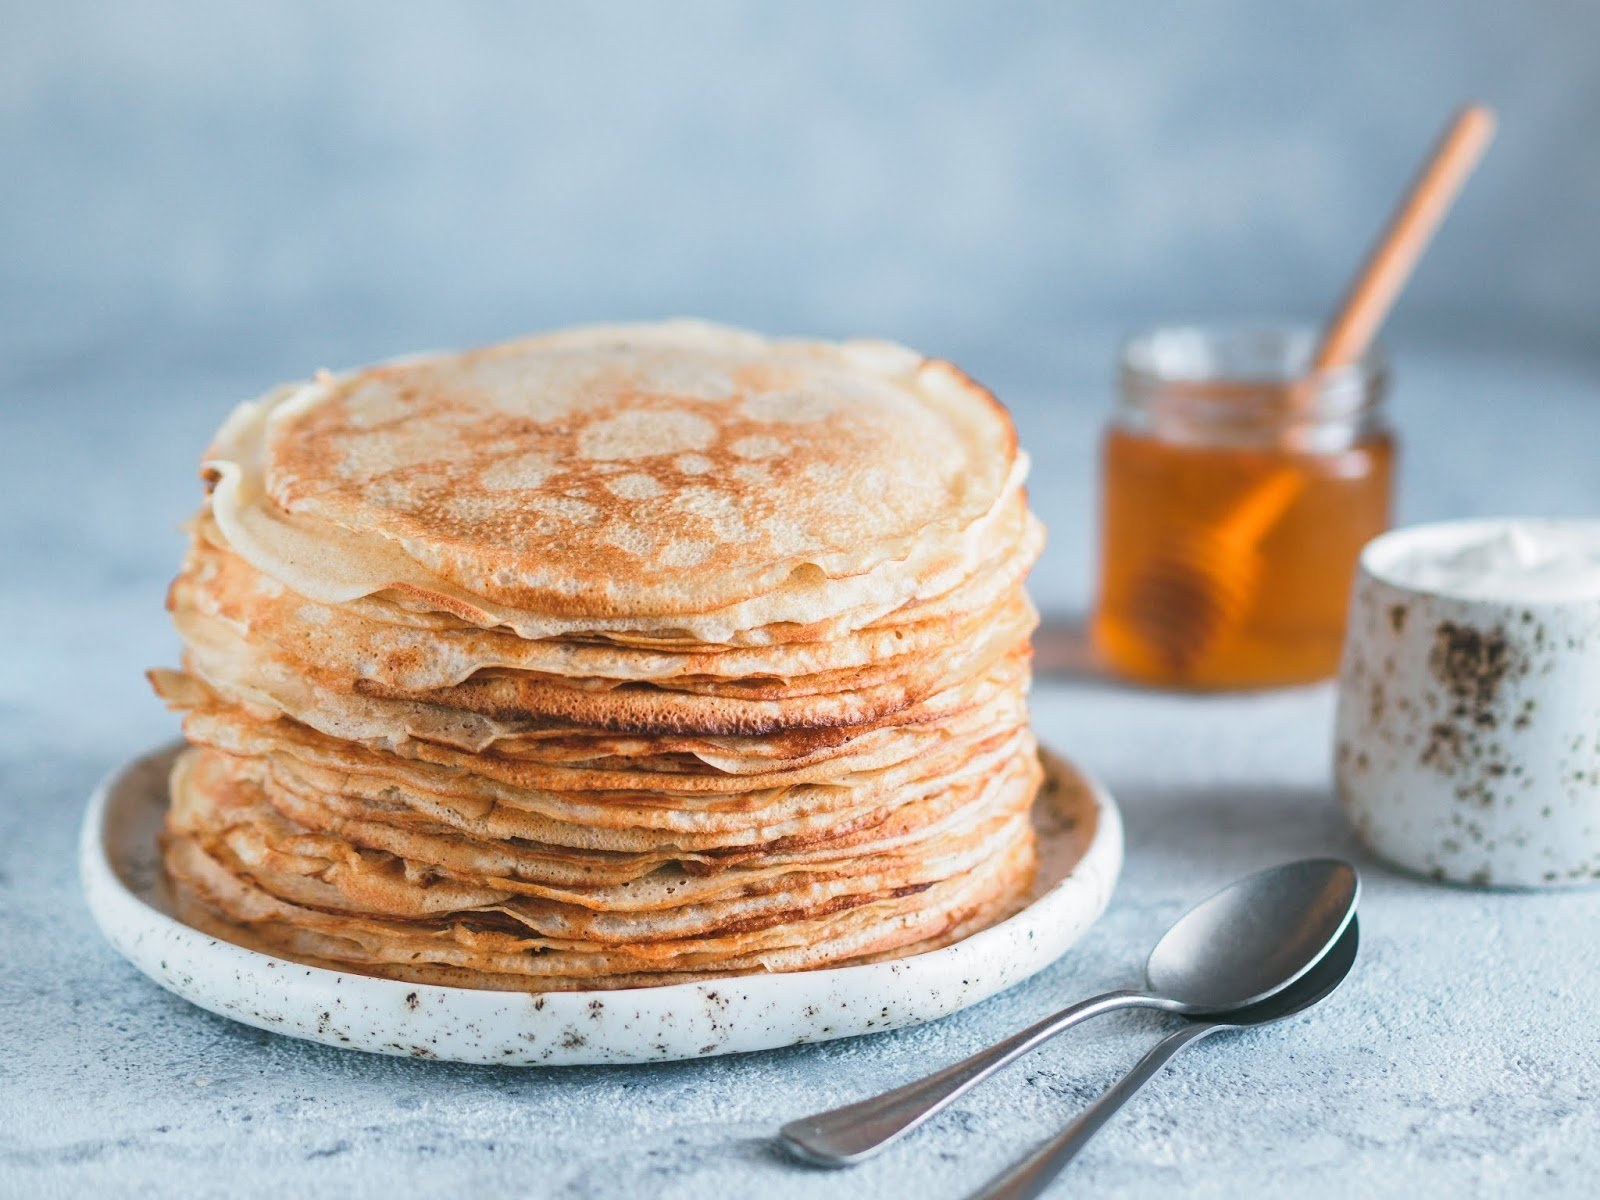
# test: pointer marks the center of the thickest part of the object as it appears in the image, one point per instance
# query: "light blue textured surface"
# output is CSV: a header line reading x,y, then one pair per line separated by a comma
x,y
202,200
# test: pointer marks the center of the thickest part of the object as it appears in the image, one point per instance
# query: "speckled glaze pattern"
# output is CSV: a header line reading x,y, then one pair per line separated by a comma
x,y
1081,843
1468,732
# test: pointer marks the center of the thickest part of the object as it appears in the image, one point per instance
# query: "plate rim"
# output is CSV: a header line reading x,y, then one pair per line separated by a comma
x,y
151,939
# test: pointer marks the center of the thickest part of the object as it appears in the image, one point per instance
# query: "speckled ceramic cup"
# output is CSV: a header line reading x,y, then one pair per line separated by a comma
x,y
1468,732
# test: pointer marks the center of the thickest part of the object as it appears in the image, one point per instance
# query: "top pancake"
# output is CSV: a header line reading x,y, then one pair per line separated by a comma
x,y
680,478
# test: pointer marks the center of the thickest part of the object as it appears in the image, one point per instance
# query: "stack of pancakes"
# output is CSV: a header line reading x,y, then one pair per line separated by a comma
x,y
613,657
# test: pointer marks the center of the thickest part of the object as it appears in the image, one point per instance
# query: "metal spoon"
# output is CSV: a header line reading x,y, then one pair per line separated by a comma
x,y
1034,1174
1249,941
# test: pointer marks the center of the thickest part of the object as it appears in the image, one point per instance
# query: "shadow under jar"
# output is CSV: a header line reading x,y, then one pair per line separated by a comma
x,y
1237,491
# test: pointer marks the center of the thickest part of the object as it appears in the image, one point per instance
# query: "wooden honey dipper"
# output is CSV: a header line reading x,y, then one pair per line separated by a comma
x,y
1200,589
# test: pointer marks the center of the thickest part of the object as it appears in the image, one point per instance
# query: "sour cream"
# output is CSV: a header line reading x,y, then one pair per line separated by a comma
x,y
1512,560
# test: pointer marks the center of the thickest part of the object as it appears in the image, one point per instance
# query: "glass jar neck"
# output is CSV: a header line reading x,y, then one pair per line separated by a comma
x,y
1247,387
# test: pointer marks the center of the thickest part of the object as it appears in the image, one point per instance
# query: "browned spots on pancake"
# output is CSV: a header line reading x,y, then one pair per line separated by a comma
x,y
547,474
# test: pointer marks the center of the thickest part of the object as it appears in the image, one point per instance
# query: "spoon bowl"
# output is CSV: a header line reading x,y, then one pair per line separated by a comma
x,y
1255,937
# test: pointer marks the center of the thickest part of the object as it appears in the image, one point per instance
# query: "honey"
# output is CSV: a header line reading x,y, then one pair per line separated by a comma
x,y
1233,510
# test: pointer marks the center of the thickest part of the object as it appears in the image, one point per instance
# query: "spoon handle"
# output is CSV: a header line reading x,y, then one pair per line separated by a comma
x,y
1031,1176
857,1131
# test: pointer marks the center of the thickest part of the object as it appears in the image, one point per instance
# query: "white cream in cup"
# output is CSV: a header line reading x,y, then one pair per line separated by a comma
x,y
1467,745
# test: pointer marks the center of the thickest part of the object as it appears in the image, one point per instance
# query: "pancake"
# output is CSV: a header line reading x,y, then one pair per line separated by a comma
x,y
607,658
677,477
668,767
496,704
298,848
343,642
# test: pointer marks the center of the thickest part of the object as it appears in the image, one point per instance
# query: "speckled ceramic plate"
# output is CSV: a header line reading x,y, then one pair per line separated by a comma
x,y
1080,834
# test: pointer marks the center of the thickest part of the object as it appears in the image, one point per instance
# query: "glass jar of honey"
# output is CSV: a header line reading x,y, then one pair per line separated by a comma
x,y
1237,489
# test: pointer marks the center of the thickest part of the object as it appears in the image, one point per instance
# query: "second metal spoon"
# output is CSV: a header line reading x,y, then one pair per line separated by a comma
x,y
1246,943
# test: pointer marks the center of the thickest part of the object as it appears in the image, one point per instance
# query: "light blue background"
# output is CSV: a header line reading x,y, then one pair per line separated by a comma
x,y
977,179
200,200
